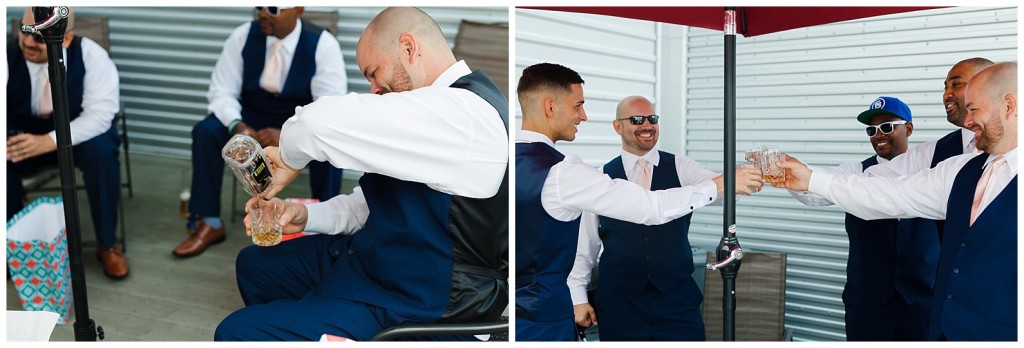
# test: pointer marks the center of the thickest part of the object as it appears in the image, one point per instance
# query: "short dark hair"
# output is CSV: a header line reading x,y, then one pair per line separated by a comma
x,y
547,76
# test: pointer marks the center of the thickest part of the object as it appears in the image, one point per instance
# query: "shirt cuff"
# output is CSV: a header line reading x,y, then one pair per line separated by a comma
x,y
820,183
709,190
579,295
319,218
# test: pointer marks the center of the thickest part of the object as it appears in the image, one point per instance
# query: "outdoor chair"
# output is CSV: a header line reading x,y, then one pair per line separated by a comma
x,y
760,299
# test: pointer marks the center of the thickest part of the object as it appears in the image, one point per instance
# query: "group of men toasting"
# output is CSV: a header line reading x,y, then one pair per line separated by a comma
x,y
932,228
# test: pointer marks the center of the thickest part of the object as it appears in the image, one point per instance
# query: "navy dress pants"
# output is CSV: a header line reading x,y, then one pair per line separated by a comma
x,y
894,320
101,171
208,138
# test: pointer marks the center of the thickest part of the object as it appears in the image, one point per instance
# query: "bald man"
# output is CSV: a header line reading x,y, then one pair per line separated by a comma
x,y
662,303
92,88
554,190
976,281
424,238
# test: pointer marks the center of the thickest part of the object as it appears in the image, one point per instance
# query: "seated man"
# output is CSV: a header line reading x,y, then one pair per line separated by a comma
x,y
92,87
267,68
424,238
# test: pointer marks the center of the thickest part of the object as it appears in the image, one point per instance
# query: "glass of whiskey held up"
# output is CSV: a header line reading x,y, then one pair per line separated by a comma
x,y
264,219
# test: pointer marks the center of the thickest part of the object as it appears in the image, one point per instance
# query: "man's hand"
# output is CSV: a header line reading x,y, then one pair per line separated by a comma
x,y
748,180
585,316
268,136
24,146
293,217
282,173
243,128
798,176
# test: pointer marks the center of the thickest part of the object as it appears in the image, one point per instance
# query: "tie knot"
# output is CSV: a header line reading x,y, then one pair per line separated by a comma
x,y
641,163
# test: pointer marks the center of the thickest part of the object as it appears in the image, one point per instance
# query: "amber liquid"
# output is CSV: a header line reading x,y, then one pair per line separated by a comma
x,y
775,177
266,235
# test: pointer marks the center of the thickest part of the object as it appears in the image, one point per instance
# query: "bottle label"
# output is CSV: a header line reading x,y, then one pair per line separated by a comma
x,y
260,172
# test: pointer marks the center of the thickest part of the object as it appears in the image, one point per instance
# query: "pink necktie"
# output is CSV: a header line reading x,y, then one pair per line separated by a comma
x,y
979,193
45,98
271,78
644,177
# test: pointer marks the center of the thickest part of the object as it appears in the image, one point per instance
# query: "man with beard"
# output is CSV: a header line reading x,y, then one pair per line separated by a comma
x,y
663,302
976,194
958,142
92,88
267,68
553,191
424,238
890,270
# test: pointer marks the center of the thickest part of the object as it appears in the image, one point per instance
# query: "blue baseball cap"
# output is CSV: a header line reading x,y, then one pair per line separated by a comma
x,y
885,105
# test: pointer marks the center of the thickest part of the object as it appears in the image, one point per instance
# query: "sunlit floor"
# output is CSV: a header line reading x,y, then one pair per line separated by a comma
x,y
164,298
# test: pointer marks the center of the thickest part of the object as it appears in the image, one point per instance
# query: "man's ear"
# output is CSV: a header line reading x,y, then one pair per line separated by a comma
x,y
548,103
617,126
910,128
409,47
1010,104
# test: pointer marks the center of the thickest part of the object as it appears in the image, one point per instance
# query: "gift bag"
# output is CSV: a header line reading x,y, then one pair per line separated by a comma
x,y
37,257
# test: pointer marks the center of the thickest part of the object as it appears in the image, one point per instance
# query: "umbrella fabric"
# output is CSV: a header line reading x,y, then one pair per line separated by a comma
x,y
750,21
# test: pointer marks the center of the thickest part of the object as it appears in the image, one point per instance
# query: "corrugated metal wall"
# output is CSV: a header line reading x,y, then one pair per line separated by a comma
x,y
801,91
623,62
165,56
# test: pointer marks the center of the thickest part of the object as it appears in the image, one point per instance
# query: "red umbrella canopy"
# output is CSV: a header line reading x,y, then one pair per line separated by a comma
x,y
750,21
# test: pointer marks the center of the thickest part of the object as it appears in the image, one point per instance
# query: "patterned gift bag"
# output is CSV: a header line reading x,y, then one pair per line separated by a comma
x,y
37,257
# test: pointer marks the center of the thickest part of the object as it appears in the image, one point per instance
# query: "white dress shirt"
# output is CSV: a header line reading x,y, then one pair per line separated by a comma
x,y
589,245
226,81
100,98
447,138
918,158
847,168
924,194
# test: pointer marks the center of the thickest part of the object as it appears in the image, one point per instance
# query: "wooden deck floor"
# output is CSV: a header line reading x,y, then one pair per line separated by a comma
x,y
164,298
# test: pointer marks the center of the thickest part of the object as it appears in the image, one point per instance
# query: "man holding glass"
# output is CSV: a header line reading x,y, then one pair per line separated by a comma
x,y
976,194
663,303
890,270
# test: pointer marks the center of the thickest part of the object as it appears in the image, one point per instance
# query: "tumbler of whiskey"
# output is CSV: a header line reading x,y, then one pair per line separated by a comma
x,y
264,218
244,156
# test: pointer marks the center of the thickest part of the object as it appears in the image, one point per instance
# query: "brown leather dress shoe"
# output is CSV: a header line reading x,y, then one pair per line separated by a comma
x,y
203,237
115,266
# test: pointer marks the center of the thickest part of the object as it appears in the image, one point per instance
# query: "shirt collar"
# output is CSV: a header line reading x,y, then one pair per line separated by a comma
x,y
881,159
290,41
525,136
966,137
452,74
629,160
1011,160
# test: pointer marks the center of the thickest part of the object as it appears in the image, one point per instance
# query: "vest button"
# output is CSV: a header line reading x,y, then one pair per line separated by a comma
x,y
956,270
950,296
350,252
963,245
335,253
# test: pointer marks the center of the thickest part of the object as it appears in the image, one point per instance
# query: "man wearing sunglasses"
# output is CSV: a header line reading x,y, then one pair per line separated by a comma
x,y
976,194
553,191
92,87
891,266
267,68
662,303
424,238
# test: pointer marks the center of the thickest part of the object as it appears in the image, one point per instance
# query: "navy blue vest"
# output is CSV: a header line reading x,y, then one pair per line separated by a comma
x,y
545,247
427,255
891,255
261,109
976,284
635,254
19,89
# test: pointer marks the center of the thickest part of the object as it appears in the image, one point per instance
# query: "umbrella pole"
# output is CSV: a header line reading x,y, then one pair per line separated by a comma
x,y
52,29
729,253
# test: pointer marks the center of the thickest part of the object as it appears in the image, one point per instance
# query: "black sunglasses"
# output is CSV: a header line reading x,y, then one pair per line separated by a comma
x,y
886,127
271,10
639,120
35,36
